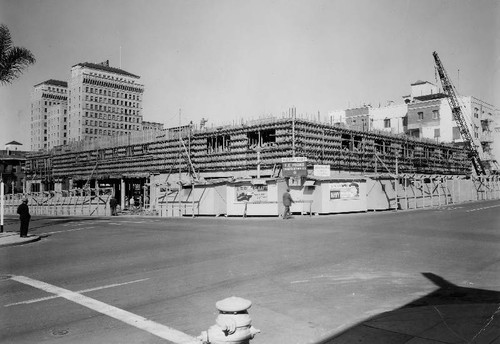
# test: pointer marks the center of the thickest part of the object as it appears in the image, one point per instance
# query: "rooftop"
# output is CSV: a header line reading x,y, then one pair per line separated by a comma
x,y
420,82
106,68
53,82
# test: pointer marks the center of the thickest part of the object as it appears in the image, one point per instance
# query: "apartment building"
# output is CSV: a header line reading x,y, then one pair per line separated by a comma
x,y
426,113
45,95
152,126
103,101
57,123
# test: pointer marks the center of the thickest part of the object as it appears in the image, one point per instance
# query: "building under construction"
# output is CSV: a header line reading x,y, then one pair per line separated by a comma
x,y
244,169
241,150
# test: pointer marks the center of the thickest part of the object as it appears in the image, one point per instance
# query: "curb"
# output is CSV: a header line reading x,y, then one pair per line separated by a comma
x,y
19,241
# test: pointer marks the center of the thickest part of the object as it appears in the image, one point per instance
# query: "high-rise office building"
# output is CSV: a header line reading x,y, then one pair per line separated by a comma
x,y
45,95
103,101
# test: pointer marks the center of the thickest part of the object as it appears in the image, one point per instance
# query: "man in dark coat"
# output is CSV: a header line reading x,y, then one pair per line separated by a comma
x,y
112,204
287,202
24,216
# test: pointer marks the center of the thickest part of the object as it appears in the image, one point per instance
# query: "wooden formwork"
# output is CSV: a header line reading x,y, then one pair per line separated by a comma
x,y
250,146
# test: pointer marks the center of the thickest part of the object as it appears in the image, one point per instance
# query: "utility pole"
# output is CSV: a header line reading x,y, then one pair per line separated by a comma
x,y
180,162
1,204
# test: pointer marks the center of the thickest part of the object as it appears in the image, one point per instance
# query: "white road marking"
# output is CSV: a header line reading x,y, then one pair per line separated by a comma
x,y
80,291
482,208
132,319
70,230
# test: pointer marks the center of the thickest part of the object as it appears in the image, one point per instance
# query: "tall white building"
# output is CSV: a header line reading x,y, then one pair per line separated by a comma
x,y
57,122
426,113
103,101
45,95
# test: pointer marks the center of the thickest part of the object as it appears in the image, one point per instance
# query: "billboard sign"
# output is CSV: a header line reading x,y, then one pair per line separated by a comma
x,y
321,171
251,193
344,191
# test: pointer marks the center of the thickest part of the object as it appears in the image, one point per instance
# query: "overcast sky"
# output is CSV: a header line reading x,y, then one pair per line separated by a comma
x,y
227,60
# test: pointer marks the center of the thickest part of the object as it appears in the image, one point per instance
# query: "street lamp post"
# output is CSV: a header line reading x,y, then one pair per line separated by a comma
x,y
1,205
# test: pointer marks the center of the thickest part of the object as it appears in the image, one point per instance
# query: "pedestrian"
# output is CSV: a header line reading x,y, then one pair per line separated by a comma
x,y
24,216
287,202
112,204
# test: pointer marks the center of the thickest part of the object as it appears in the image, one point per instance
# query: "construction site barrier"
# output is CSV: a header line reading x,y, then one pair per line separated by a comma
x,y
177,209
409,192
88,202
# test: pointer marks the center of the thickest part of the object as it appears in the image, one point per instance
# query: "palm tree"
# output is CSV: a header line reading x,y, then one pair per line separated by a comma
x,y
12,59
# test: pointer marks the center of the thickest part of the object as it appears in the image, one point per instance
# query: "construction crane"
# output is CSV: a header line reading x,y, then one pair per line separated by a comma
x,y
458,116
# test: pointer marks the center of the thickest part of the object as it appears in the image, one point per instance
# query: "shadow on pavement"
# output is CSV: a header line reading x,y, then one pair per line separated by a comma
x,y
450,314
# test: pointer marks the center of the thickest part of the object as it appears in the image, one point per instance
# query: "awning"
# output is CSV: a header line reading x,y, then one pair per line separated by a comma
x,y
259,182
309,183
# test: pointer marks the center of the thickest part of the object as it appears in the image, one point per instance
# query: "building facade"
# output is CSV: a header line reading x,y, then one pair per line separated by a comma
x,y
426,114
152,126
103,101
57,122
12,163
46,94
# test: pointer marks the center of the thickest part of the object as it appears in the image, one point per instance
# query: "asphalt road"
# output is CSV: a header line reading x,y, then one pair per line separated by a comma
x,y
307,277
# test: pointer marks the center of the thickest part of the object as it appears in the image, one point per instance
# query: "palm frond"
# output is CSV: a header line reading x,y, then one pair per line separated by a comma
x,y
12,59
5,40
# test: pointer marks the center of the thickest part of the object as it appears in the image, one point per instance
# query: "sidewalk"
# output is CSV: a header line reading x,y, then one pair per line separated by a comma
x,y
13,238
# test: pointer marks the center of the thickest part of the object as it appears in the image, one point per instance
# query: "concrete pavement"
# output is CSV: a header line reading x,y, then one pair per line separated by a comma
x,y
13,238
460,312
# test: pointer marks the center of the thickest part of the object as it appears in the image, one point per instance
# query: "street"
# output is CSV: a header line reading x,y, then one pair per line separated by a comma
x,y
306,277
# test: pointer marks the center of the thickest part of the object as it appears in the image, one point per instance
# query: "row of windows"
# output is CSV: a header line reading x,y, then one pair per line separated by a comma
x,y
57,89
112,109
111,125
110,117
104,132
111,101
110,93
111,77
435,115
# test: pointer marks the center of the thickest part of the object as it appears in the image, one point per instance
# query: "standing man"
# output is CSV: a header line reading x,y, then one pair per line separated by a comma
x,y
287,202
24,216
112,204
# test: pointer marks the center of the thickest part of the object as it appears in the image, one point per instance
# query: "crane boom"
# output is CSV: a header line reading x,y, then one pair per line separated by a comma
x,y
458,116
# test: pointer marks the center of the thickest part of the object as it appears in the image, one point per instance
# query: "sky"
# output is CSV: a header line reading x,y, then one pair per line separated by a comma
x,y
227,60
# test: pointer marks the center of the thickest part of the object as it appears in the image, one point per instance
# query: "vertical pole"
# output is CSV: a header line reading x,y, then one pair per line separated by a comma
x,y
180,163
423,193
258,162
431,192
439,193
192,193
1,206
122,193
396,181
414,194
293,132
97,198
405,181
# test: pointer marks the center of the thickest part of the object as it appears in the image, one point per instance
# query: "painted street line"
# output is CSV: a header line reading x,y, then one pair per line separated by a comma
x,y
80,291
482,208
70,230
132,319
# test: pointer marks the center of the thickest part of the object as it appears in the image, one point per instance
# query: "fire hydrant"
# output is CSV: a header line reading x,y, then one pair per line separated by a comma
x,y
233,324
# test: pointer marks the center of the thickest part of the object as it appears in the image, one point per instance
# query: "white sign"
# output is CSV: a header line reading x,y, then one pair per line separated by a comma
x,y
295,159
321,170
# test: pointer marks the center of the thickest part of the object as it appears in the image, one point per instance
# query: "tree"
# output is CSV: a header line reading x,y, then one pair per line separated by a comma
x,y
12,59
